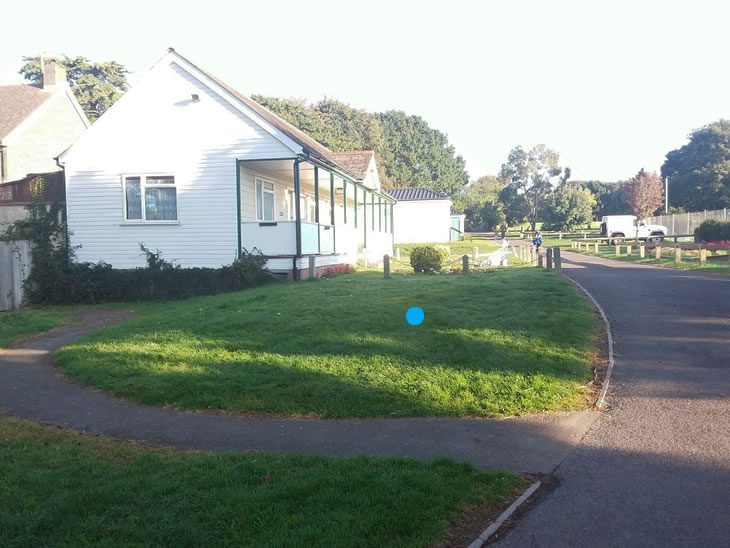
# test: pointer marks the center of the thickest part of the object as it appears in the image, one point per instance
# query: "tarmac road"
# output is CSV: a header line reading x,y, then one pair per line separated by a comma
x,y
654,470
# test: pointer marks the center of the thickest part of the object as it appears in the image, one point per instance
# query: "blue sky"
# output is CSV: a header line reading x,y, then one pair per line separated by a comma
x,y
612,86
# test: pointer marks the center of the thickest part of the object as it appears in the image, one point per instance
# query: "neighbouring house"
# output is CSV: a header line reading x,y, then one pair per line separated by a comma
x,y
185,164
45,188
424,215
37,123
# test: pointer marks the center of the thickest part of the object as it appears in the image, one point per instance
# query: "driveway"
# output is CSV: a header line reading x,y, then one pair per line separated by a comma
x,y
655,469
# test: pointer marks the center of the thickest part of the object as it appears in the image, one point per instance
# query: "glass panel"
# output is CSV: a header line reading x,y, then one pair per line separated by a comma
x,y
259,201
160,180
268,206
134,198
269,186
160,204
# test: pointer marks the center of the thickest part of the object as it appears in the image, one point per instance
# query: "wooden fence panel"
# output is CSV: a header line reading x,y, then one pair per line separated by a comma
x,y
14,269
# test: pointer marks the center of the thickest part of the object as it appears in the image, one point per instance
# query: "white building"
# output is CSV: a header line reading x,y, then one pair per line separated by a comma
x,y
187,165
423,216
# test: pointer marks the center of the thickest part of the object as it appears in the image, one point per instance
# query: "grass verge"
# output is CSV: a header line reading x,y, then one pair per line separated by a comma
x,y
59,488
690,259
503,343
17,324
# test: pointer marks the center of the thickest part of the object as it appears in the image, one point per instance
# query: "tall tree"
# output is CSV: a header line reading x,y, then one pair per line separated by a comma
x,y
571,206
610,198
533,174
515,205
699,172
480,203
96,86
644,193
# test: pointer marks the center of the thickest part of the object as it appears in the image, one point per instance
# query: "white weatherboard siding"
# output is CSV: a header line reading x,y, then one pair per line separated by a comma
x,y
422,221
156,128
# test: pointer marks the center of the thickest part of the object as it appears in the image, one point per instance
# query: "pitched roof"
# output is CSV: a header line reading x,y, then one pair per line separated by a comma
x,y
412,194
309,145
16,104
355,162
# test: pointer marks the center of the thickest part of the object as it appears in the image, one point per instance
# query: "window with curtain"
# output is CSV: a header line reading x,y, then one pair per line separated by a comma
x,y
265,200
150,198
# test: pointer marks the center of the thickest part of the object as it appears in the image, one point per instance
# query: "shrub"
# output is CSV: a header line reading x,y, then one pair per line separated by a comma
x,y
465,237
712,230
333,271
426,258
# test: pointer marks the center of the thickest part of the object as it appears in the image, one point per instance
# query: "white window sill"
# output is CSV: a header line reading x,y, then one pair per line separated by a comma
x,y
145,223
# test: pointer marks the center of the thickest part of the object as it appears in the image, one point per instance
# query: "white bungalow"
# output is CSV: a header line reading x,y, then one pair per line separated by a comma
x,y
187,165
425,215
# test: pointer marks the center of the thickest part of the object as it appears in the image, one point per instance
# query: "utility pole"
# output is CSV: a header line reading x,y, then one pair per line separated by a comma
x,y
666,195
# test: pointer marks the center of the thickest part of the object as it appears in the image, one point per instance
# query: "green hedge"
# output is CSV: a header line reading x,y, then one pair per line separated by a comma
x,y
712,230
426,258
56,280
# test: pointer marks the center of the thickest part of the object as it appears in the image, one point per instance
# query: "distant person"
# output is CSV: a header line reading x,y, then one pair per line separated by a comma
x,y
537,241
503,230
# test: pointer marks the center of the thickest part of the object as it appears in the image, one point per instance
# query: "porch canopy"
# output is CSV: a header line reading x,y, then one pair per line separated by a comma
x,y
293,207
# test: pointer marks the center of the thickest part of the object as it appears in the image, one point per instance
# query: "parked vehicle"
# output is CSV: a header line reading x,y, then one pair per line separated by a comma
x,y
619,227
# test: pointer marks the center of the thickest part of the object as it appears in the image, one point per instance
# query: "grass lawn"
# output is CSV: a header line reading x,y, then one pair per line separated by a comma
x,y
493,344
59,488
457,248
15,324
690,259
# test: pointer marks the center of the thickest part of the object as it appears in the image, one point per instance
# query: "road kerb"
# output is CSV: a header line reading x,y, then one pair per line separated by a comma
x,y
493,527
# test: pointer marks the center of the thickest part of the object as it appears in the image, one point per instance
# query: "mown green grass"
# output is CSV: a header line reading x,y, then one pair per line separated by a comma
x,y
457,248
504,343
58,488
690,259
16,324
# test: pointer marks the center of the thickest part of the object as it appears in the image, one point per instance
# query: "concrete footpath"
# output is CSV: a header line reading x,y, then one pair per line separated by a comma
x,y
31,387
655,469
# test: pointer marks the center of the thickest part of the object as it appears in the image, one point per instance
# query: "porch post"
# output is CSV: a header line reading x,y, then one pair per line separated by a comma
x,y
372,204
332,211
380,214
354,188
238,206
344,200
365,217
316,205
297,208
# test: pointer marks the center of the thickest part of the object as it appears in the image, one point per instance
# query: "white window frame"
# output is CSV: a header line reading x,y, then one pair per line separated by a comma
x,y
264,190
142,186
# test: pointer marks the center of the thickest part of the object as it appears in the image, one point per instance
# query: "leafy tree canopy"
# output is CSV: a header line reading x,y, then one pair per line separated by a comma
x,y
571,206
96,86
644,193
532,174
480,202
699,172
409,153
610,198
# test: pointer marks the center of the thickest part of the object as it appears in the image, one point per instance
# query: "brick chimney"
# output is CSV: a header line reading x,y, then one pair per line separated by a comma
x,y
53,75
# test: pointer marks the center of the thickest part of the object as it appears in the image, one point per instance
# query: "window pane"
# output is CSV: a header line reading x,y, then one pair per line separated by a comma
x,y
259,202
134,198
157,180
268,186
268,206
160,204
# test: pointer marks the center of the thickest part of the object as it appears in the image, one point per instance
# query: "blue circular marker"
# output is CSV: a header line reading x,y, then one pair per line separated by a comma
x,y
414,316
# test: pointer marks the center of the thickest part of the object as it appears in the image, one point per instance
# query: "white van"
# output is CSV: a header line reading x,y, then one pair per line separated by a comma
x,y
619,227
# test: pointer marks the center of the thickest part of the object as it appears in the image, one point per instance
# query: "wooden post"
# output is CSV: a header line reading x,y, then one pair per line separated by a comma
x,y
558,261
465,262
397,253
584,236
386,266
549,258
532,255
572,244
677,254
628,250
560,235
475,253
658,252
312,264
618,250
539,258
596,244
642,251
703,256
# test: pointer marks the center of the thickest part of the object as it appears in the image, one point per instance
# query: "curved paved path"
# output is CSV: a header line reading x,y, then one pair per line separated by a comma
x,y
32,388
655,469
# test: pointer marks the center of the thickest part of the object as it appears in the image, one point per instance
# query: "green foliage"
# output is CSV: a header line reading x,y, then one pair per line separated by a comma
x,y
712,230
516,207
571,206
699,172
644,193
428,258
97,86
531,174
408,152
480,202
610,198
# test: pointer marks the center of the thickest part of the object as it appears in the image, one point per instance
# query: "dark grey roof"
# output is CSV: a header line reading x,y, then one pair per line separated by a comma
x,y
16,104
412,194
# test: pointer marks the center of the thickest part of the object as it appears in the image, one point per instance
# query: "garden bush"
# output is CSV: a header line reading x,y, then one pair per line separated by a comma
x,y
426,258
712,230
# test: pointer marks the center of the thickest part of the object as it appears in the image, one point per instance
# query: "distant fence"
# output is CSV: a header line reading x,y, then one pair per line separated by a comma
x,y
685,223
14,269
